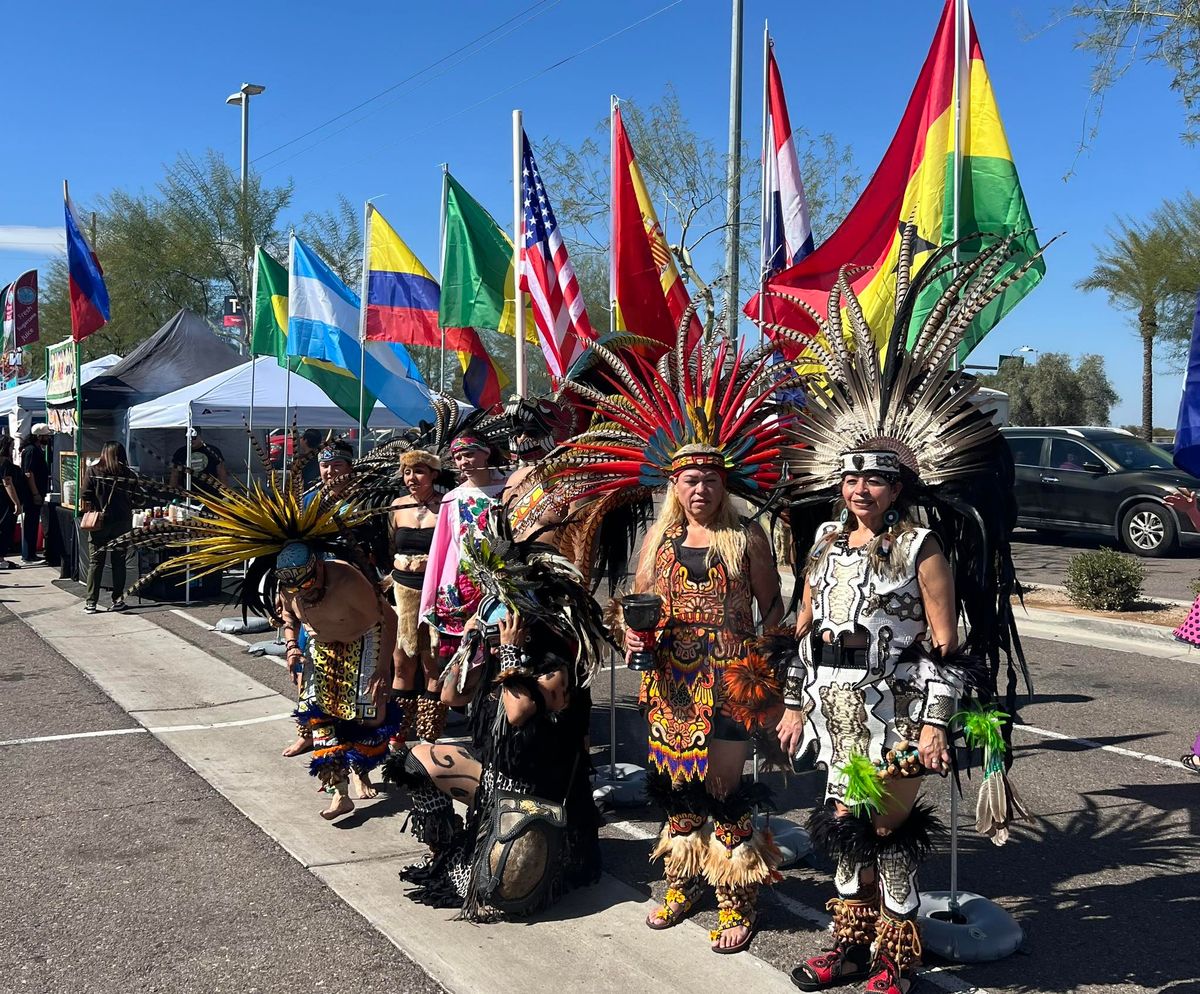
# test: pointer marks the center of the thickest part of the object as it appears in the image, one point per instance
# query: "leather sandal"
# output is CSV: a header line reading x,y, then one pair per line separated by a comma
x,y
829,968
728,918
677,904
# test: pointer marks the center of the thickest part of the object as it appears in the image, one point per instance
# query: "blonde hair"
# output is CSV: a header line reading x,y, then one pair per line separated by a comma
x,y
728,539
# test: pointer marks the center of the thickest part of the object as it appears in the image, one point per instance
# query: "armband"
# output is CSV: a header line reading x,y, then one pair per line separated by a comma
x,y
941,701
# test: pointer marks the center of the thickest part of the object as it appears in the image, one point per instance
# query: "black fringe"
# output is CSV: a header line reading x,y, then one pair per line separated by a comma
x,y
855,839
747,798
689,797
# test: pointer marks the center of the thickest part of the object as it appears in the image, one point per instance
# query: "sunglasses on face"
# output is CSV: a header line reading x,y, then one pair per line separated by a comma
x,y
303,585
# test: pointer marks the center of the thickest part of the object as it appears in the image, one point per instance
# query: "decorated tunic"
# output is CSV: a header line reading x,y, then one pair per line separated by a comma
x,y
448,598
868,699
707,623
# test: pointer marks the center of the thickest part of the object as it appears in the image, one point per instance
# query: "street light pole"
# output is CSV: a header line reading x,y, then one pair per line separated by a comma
x,y
242,99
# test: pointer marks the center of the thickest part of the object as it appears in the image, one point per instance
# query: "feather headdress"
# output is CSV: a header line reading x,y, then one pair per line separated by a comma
x,y
908,404
709,407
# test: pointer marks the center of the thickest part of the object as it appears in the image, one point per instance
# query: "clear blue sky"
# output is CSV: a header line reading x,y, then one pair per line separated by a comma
x,y
106,94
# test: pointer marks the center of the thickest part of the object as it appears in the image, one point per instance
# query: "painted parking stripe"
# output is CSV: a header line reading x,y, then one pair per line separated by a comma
x,y
155,730
1091,744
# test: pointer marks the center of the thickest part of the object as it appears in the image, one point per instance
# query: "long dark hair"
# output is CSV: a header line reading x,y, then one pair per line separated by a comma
x,y
6,447
113,461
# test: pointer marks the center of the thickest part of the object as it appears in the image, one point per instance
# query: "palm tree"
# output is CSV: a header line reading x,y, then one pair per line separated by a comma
x,y
1139,272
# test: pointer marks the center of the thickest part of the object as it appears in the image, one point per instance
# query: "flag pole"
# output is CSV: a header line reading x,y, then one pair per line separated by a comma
x,y
518,239
362,324
762,225
442,270
287,383
733,176
78,499
613,106
253,368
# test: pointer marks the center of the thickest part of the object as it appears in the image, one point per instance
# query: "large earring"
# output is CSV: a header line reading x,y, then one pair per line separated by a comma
x,y
844,516
890,517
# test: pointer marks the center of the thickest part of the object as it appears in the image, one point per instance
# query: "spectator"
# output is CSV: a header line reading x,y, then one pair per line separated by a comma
x,y
309,445
11,482
110,487
37,474
1189,632
207,461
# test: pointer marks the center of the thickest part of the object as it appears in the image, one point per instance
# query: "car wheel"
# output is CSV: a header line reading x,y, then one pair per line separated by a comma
x,y
1148,529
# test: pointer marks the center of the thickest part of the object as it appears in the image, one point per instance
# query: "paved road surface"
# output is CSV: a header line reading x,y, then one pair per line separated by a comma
x,y
139,877
1043,560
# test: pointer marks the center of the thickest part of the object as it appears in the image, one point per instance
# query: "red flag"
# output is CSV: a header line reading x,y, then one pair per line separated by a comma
x,y
651,297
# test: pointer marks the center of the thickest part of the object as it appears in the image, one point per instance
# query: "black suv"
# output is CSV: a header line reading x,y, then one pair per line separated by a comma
x,y
1099,480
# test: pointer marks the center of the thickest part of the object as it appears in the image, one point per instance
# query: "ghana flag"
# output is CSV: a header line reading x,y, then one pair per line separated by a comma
x,y
916,179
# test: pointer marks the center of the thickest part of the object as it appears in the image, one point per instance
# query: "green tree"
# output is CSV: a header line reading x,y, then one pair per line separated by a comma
x,y
1054,391
181,245
1121,33
685,176
1139,270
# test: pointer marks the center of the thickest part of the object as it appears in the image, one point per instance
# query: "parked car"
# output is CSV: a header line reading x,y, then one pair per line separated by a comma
x,y
1099,480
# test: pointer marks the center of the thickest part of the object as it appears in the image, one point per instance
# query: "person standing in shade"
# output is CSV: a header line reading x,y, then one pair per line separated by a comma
x,y
37,474
207,461
307,447
11,482
111,488
1184,501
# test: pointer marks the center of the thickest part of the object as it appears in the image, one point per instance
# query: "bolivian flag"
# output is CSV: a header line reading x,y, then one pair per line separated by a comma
x,y
916,178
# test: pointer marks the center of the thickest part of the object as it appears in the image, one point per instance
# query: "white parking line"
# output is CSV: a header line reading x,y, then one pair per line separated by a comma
x,y
155,730
1091,744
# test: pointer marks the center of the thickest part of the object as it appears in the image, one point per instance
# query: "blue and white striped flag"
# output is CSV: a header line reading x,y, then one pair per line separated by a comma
x,y
323,324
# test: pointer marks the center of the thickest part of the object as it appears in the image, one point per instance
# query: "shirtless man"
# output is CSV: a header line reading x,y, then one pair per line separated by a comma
x,y
347,675
532,505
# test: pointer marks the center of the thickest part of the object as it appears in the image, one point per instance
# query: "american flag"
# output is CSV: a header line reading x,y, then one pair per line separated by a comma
x,y
548,276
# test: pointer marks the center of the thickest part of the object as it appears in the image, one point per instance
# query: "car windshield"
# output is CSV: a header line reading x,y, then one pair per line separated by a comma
x,y
1133,453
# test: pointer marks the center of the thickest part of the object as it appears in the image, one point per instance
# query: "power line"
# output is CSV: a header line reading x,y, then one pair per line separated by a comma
x,y
418,73
503,90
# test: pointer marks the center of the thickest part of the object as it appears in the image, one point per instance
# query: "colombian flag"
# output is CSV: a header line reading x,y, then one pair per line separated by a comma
x,y
403,300
650,295
916,179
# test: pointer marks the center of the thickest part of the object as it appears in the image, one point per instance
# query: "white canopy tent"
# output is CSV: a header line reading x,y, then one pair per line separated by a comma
x,y
223,401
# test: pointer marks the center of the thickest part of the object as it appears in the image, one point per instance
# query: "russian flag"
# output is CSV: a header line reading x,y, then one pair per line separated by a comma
x,y
89,295
787,233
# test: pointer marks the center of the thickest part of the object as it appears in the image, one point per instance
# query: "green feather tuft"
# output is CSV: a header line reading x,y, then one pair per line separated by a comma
x,y
982,728
864,786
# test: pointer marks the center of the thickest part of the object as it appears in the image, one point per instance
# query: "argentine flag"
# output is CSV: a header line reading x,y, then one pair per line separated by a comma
x,y
323,321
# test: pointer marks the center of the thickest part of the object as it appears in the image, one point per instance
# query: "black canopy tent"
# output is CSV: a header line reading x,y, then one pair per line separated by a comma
x,y
185,350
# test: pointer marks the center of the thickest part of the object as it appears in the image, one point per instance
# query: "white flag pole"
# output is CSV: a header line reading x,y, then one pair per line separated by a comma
x,y
253,367
287,389
518,242
442,270
768,148
364,285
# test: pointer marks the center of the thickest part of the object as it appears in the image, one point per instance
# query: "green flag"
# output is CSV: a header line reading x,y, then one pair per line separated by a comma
x,y
269,337
477,271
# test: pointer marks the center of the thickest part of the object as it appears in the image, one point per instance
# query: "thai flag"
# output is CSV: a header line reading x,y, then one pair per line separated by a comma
x,y
89,295
787,232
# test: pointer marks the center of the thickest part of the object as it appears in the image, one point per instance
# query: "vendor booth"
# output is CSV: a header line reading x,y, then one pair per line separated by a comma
x,y
24,406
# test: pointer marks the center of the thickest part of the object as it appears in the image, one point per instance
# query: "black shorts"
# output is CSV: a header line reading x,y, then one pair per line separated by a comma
x,y
724,727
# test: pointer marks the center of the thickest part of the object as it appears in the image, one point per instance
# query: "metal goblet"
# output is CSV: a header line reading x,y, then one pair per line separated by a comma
x,y
642,612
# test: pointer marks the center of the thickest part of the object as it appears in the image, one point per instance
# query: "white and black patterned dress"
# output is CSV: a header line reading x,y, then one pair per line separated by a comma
x,y
871,698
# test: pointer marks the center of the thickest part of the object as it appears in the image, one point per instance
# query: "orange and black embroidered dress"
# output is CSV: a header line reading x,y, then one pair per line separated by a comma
x,y
707,624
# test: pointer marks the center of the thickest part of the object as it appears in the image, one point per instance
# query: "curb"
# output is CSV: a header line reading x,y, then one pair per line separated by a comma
x,y
1059,589
1133,630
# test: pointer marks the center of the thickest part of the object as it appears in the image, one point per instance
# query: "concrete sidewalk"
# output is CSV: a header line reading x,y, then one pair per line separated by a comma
x,y
227,727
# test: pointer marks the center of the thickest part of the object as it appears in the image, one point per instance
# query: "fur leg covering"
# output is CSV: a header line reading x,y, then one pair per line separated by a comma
x,y
433,818
431,717
740,856
684,837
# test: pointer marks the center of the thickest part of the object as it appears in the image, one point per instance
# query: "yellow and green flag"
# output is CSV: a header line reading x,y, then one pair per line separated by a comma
x,y
916,180
268,336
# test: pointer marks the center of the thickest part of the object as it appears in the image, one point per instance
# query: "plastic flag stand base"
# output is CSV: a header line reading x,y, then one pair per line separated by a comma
x,y
980,932
793,841
620,785
268,648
